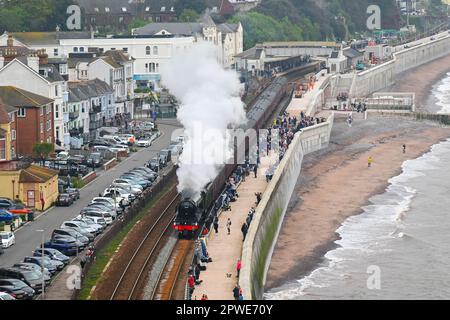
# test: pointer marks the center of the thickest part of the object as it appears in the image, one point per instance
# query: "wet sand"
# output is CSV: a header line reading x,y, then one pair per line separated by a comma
x,y
339,184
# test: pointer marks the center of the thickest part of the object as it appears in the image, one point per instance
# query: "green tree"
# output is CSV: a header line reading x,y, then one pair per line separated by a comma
x,y
196,5
42,150
137,23
189,15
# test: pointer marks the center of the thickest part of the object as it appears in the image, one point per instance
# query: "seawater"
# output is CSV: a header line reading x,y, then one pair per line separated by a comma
x,y
442,94
404,234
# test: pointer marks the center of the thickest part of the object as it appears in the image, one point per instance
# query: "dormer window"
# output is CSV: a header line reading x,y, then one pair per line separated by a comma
x,y
163,9
124,9
96,10
147,9
106,9
172,9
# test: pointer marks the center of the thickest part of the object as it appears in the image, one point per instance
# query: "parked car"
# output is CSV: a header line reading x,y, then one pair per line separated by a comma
x,y
95,159
52,266
52,254
98,214
74,193
96,223
82,226
123,197
6,296
66,245
31,277
82,231
17,288
100,142
146,125
167,154
144,142
13,207
62,157
8,239
34,267
64,200
155,164
72,233
6,216
135,180
78,159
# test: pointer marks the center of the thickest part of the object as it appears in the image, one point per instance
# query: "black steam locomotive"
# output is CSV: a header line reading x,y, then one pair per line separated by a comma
x,y
194,211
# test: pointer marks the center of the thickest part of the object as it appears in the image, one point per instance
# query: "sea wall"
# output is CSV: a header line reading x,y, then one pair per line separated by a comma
x,y
265,227
382,76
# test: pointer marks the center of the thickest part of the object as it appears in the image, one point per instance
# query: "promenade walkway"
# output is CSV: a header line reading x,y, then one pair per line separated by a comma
x,y
304,103
226,249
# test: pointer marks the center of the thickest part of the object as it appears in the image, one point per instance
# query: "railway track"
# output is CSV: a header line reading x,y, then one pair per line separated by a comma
x,y
134,273
170,283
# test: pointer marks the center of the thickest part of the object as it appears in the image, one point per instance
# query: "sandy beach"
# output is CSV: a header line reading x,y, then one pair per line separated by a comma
x,y
337,186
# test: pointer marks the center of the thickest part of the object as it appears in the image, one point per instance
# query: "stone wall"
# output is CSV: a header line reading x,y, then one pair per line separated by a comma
x,y
265,227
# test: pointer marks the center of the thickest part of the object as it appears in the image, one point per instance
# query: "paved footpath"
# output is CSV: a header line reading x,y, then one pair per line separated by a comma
x,y
226,249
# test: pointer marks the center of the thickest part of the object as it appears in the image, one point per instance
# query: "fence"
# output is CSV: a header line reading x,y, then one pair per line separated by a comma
x,y
128,215
443,119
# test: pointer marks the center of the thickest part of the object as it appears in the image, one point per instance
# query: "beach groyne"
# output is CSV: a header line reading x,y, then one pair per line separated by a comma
x,y
266,224
382,76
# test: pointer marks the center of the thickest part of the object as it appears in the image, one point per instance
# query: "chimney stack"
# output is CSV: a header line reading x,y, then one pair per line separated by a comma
x,y
10,41
33,61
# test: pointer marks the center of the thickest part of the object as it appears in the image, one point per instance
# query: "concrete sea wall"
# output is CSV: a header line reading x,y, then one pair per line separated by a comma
x,y
265,227
382,76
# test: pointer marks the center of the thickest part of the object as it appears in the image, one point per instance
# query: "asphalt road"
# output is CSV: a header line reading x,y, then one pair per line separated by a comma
x,y
28,238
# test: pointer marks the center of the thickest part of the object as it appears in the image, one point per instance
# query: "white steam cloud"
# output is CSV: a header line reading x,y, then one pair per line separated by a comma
x,y
210,103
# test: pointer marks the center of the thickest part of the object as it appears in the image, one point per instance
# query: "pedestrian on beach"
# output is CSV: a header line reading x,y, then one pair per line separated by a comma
x,y
404,148
244,230
236,292
238,268
369,162
258,197
216,224
229,225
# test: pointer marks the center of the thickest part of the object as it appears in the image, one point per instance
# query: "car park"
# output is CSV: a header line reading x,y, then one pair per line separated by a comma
x,y
52,254
31,277
6,296
64,200
17,288
8,239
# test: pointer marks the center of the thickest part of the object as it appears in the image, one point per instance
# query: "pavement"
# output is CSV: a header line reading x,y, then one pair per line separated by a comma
x,y
226,249
27,237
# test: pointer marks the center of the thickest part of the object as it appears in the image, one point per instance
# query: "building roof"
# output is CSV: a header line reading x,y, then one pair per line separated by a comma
x,y
36,174
52,74
85,90
16,97
46,38
115,6
302,44
176,28
252,54
228,27
352,53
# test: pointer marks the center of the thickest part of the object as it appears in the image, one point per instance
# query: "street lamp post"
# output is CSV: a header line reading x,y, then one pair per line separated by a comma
x,y
42,263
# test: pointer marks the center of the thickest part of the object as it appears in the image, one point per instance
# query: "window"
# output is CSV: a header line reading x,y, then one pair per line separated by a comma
x,y
56,91
81,49
2,149
13,134
42,127
147,50
12,117
157,67
112,49
49,125
155,50
42,111
21,113
125,50
56,111
13,152
75,49
57,133
55,52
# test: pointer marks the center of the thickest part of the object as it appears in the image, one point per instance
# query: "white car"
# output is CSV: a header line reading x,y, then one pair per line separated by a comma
x,y
106,200
8,239
145,142
81,225
131,188
6,296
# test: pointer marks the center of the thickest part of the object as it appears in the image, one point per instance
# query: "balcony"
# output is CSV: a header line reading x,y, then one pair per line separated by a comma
x,y
95,109
74,115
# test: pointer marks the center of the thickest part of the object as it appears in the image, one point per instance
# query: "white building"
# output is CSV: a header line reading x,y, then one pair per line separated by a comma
x,y
34,74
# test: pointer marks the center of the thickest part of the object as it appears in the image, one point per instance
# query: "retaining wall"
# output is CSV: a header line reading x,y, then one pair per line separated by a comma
x,y
265,227
382,76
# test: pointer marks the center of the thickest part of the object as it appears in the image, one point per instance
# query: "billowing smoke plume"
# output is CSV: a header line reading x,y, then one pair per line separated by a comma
x,y
210,103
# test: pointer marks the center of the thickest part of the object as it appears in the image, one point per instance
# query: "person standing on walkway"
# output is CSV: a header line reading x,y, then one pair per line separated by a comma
x,y
216,224
369,162
236,292
255,170
238,268
229,225
244,230
404,148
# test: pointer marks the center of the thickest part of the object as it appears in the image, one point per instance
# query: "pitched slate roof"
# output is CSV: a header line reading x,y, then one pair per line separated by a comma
x,y
352,53
84,90
53,74
253,54
43,38
36,174
115,6
16,97
176,28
